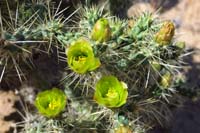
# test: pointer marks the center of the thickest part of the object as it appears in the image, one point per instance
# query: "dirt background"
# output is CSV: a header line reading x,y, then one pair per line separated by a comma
x,y
185,14
7,101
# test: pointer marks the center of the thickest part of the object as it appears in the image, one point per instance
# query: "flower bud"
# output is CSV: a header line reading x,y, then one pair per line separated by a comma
x,y
165,34
123,129
166,80
180,45
155,65
101,31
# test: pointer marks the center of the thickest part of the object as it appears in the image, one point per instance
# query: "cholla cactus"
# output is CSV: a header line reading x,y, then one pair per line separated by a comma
x,y
140,52
133,55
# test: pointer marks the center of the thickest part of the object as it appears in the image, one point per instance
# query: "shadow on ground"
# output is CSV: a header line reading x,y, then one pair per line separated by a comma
x,y
193,73
187,118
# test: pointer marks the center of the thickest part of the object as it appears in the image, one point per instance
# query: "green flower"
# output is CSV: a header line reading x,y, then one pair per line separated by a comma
x,y
81,57
101,31
110,92
51,102
165,34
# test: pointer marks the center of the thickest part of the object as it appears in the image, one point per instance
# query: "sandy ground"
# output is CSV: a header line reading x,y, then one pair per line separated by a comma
x,y
185,14
7,102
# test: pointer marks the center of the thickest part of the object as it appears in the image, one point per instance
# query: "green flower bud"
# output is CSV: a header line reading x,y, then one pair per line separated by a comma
x,y
165,34
155,65
81,57
51,102
166,80
180,45
179,48
123,129
110,92
131,23
101,31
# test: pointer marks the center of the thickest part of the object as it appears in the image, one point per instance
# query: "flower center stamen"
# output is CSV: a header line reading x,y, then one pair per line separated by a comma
x,y
80,58
53,104
112,93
